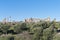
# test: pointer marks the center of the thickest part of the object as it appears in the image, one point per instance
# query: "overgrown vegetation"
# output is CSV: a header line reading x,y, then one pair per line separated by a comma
x,y
43,30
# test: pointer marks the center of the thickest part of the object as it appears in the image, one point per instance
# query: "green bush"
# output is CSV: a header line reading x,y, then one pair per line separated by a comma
x,y
6,37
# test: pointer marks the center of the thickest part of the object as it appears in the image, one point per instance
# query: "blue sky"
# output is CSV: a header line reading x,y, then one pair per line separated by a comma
x,y
21,9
